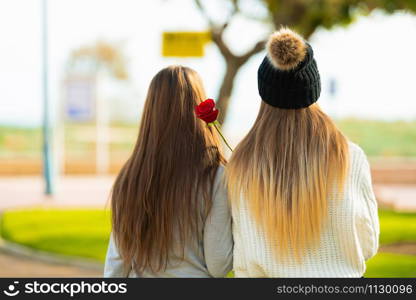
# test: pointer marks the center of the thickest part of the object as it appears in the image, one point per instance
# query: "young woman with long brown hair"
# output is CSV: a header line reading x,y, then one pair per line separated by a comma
x,y
301,194
170,213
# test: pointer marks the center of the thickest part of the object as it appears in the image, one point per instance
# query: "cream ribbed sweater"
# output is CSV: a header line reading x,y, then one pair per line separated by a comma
x,y
348,240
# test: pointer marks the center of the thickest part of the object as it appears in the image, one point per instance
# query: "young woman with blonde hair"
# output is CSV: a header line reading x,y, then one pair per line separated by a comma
x,y
170,213
301,193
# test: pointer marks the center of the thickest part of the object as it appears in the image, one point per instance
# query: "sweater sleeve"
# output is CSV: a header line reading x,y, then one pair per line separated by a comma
x,y
218,241
370,228
114,266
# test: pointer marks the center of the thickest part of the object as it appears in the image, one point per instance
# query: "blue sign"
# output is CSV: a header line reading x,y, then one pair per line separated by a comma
x,y
80,99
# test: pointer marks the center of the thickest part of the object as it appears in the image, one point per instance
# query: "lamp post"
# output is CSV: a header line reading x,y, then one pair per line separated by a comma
x,y
46,126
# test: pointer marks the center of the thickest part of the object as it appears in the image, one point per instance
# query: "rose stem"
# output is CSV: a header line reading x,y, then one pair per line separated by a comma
x,y
223,138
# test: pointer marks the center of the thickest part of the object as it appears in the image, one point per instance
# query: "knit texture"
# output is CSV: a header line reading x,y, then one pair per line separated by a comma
x,y
293,89
349,238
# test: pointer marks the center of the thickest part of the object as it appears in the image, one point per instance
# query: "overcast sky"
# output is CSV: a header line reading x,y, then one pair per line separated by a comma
x,y
372,60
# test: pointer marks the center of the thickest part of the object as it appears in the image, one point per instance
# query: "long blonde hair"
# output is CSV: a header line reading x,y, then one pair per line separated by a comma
x,y
166,185
284,168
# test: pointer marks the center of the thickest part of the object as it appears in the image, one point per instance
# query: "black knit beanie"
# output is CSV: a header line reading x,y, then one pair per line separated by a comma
x,y
288,77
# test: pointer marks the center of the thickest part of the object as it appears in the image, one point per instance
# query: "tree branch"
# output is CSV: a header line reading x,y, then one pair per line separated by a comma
x,y
218,30
204,13
236,9
224,49
258,47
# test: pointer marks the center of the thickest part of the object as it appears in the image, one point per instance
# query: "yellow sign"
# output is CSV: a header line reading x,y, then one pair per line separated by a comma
x,y
185,43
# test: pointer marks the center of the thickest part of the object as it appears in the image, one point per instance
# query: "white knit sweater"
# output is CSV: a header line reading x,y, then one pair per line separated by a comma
x,y
348,240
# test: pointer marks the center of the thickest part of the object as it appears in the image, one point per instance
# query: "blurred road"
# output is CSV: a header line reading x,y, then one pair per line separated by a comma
x,y
16,266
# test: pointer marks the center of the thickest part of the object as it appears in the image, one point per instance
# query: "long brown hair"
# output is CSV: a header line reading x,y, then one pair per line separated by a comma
x,y
156,198
285,167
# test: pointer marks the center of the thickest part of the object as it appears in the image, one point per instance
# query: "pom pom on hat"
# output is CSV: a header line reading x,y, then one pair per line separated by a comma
x,y
286,49
288,76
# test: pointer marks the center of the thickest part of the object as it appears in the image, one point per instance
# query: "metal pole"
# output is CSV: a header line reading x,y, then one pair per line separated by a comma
x,y
46,130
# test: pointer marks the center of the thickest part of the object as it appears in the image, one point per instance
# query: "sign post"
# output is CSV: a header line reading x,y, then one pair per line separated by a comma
x,y
185,43
102,134
83,103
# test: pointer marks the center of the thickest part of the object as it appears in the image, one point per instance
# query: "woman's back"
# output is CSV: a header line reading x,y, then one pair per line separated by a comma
x,y
349,235
209,257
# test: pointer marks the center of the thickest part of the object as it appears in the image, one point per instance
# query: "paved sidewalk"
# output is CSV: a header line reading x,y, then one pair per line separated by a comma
x,y
85,191
93,191
396,196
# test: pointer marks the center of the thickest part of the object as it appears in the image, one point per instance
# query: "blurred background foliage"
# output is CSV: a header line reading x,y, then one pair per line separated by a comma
x,y
305,16
102,54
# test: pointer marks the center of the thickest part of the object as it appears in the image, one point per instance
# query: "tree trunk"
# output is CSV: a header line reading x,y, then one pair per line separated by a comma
x,y
232,68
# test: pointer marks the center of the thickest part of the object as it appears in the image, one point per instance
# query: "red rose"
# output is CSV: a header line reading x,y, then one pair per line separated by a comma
x,y
206,111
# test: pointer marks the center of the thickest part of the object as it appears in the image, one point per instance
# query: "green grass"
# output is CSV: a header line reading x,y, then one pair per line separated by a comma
x,y
85,233
391,265
381,138
397,227
82,233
